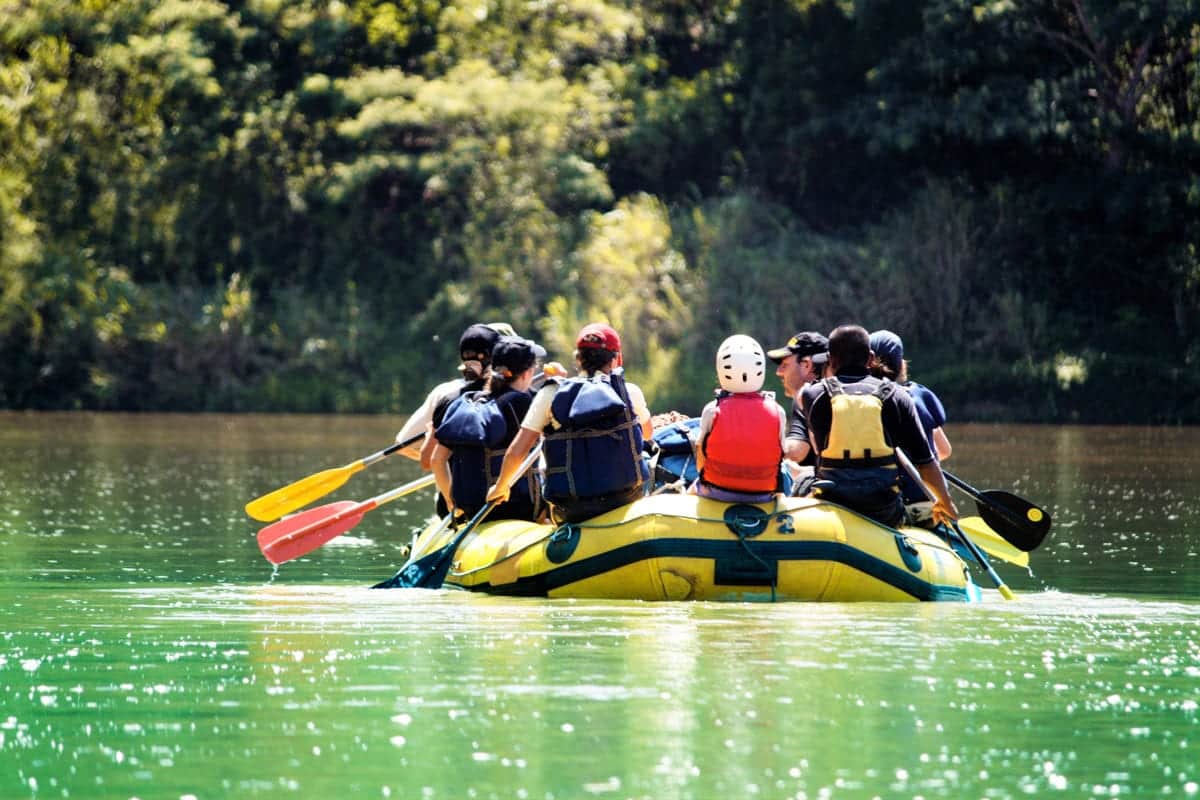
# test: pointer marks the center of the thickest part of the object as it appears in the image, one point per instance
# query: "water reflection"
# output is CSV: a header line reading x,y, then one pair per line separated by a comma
x,y
147,649
315,689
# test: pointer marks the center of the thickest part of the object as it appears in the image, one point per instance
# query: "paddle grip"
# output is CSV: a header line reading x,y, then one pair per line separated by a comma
x,y
387,451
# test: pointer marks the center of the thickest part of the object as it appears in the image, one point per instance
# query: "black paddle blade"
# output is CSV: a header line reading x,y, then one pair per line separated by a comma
x,y
1019,521
427,572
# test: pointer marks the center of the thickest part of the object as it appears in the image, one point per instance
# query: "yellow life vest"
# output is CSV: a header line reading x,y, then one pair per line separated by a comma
x,y
856,436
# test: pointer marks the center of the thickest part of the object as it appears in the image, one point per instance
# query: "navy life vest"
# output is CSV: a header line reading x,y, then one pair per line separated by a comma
x,y
461,386
676,458
593,445
857,457
477,435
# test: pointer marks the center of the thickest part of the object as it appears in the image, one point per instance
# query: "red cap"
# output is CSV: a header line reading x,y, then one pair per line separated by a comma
x,y
597,335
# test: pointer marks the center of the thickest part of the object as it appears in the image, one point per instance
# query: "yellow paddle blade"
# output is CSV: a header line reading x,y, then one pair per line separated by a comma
x,y
301,493
991,542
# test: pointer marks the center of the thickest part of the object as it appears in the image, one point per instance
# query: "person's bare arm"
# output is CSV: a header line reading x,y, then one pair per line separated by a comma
x,y
427,447
941,444
440,464
944,510
698,449
796,450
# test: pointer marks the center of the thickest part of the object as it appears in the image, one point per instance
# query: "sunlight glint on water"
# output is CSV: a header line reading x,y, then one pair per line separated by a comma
x,y
147,649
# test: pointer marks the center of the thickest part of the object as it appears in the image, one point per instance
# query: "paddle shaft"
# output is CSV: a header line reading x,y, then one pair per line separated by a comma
x,y
908,467
387,451
1005,592
980,558
376,457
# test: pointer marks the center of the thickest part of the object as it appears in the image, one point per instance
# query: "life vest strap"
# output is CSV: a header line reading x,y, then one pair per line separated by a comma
x,y
590,433
877,461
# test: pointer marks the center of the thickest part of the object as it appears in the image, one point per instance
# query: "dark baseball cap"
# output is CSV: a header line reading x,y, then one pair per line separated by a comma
x,y
516,354
477,340
805,343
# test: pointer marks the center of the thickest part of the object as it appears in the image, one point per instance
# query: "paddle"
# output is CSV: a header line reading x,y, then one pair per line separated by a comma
x,y
993,543
1005,592
396,581
293,537
429,571
980,558
1016,519
299,494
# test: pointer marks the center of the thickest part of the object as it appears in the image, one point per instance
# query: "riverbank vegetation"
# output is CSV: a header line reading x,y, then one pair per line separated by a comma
x,y
297,205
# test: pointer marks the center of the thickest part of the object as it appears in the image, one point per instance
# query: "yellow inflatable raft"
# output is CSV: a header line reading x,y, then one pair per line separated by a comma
x,y
684,547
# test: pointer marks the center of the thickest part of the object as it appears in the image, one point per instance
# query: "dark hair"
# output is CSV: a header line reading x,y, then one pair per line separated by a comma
x,y
850,346
470,374
498,384
594,359
881,370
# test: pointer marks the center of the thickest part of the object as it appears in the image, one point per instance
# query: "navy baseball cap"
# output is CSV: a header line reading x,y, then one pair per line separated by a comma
x,y
888,348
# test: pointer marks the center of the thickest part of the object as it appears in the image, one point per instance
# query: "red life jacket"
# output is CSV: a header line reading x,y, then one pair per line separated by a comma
x,y
742,451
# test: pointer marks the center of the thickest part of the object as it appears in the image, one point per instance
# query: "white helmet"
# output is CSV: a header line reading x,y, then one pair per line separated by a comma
x,y
740,364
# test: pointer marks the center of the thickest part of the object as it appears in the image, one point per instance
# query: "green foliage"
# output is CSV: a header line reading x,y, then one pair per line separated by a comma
x,y
626,273
297,204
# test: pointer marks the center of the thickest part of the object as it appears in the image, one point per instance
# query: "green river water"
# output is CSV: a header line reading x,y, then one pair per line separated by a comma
x,y
148,651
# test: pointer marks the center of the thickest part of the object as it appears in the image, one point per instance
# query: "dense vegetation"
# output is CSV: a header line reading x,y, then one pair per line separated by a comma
x,y
297,205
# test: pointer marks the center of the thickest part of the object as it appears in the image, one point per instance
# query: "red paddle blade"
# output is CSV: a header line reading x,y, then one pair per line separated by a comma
x,y
293,537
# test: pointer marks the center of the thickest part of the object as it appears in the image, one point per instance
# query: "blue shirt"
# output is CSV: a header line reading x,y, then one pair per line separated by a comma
x,y
929,409
932,415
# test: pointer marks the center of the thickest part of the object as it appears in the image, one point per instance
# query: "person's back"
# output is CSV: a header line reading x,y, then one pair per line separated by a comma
x,y
856,455
887,350
593,440
739,442
854,421
593,427
478,428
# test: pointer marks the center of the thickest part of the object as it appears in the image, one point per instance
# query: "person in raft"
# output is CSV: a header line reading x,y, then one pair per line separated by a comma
x,y
800,361
593,425
475,350
477,429
854,421
739,442
888,361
